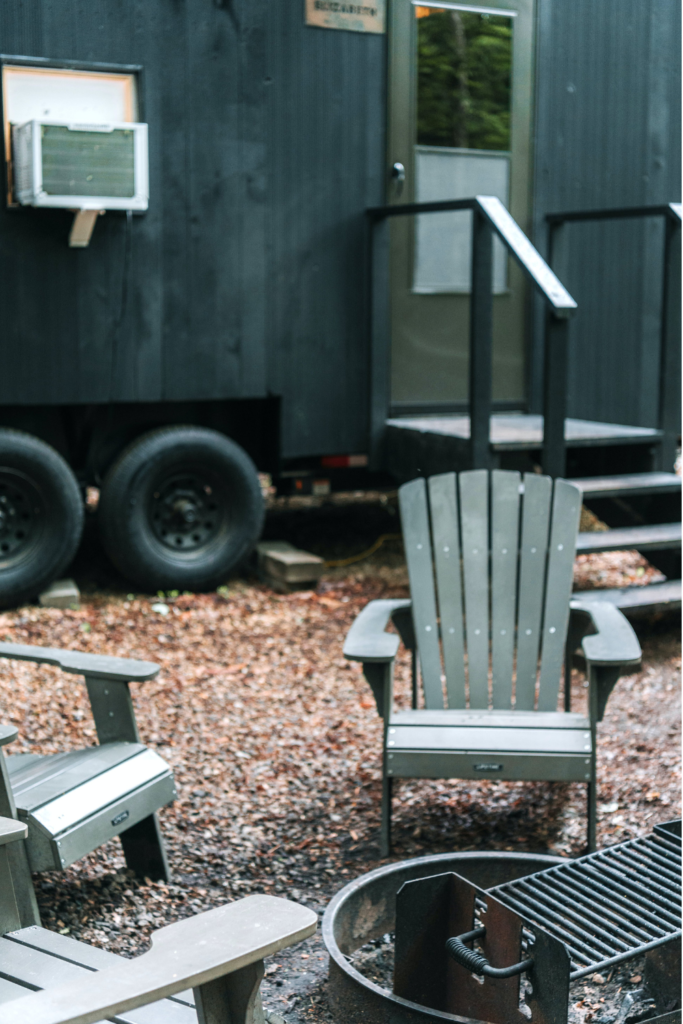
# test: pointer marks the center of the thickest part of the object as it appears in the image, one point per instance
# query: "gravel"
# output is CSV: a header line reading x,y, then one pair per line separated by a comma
x,y
275,743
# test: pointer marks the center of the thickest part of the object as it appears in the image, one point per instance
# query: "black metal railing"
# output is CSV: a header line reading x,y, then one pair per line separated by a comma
x,y
669,369
488,216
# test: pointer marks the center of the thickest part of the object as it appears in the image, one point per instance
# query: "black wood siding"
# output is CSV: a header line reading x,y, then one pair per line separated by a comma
x,y
608,135
245,278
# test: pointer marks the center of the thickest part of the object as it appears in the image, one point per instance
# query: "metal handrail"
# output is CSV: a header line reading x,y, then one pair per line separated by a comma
x,y
507,228
672,210
669,385
488,215
509,231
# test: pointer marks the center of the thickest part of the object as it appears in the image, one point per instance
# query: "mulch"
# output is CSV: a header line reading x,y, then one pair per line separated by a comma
x,y
275,744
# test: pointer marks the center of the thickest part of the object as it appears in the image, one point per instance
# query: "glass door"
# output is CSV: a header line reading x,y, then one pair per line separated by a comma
x,y
460,92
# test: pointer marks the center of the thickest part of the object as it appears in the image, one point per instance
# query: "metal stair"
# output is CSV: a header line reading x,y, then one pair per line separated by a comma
x,y
659,537
628,484
639,509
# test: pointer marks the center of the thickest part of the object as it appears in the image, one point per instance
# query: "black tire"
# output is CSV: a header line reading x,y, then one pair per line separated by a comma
x,y
41,516
180,508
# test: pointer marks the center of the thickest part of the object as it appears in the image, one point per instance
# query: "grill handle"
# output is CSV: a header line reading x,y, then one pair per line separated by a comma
x,y
478,964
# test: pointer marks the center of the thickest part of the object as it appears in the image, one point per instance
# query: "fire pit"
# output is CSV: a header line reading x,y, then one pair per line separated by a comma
x,y
366,909
499,937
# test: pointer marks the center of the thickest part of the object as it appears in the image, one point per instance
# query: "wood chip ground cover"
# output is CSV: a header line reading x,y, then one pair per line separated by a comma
x,y
275,744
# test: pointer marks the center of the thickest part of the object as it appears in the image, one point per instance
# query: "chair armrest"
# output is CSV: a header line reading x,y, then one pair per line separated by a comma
x,y
8,733
614,642
367,639
189,954
123,670
112,707
368,642
611,649
11,830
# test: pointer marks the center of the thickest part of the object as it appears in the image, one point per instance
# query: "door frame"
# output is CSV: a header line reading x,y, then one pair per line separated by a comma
x,y
401,121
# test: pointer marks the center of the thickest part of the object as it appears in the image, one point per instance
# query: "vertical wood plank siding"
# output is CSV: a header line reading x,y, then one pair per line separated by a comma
x,y
246,276
608,135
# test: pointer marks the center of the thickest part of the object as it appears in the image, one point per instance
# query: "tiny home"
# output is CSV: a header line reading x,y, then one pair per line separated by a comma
x,y
193,289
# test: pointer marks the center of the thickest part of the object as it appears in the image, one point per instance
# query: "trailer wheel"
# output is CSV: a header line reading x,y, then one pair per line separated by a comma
x,y
180,508
41,516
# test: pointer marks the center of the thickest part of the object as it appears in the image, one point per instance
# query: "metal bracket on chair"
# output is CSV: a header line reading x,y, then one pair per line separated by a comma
x,y
379,676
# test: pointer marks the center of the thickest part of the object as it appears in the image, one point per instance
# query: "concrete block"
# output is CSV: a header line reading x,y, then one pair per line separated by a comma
x,y
61,594
285,567
264,547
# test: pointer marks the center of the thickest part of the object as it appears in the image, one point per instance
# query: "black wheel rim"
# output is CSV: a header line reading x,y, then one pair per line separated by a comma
x,y
187,511
22,514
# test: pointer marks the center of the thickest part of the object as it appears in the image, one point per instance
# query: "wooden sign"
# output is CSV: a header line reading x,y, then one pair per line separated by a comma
x,y
354,17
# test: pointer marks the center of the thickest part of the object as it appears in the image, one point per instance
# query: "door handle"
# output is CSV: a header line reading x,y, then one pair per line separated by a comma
x,y
398,177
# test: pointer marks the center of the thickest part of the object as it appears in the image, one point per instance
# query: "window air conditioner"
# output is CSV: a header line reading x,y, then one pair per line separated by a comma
x,y
81,166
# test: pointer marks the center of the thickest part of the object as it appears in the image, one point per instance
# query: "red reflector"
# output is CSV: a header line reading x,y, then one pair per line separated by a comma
x,y
343,461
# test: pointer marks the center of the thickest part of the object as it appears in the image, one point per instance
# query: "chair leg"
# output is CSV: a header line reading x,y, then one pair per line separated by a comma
x,y
592,814
24,892
17,856
143,848
385,833
234,997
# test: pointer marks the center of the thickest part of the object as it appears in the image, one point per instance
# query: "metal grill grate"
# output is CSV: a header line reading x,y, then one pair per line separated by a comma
x,y
608,906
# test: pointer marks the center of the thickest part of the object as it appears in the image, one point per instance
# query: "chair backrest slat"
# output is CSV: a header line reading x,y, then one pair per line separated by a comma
x,y
474,487
561,553
504,554
516,547
418,549
533,551
443,505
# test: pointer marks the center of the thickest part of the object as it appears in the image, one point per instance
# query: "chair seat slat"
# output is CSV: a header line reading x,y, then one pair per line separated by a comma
x,y
481,738
35,969
492,719
417,543
504,553
443,505
561,552
533,548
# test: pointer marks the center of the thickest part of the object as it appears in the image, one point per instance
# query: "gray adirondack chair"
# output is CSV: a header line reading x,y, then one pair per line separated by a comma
x,y
76,801
206,968
492,620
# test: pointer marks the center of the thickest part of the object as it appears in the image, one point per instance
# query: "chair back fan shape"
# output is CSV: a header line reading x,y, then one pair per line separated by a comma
x,y
490,561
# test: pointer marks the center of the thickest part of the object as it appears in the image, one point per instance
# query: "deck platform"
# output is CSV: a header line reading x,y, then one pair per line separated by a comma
x,y
521,431
426,444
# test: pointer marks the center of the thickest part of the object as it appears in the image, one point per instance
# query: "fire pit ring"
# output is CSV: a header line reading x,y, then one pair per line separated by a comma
x,y
365,909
